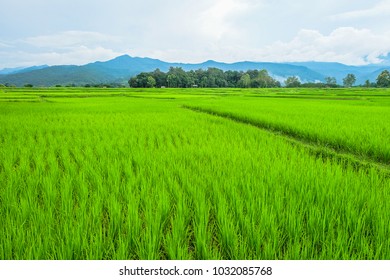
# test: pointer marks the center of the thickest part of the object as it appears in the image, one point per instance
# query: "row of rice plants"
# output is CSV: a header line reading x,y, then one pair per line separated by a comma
x,y
357,127
123,178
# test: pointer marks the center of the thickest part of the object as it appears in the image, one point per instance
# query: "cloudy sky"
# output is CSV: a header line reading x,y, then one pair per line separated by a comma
x,y
36,32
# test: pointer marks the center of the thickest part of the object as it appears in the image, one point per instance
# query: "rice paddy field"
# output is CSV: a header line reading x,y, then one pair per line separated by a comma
x,y
112,174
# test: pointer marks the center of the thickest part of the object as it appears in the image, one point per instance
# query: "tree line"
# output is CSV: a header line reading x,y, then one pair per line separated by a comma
x,y
176,77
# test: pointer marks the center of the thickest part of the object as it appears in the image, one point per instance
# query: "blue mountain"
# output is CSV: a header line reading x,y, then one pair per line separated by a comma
x,y
7,71
120,69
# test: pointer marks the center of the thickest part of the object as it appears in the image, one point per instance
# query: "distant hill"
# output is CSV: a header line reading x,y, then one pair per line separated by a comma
x,y
7,71
120,69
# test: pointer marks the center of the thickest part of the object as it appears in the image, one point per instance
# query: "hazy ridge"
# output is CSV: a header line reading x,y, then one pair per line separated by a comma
x,y
120,69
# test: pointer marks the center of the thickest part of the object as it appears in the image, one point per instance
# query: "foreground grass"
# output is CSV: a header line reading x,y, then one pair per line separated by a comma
x,y
132,178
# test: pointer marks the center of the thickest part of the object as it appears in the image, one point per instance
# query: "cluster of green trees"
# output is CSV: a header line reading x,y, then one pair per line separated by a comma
x,y
348,81
382,81
176,77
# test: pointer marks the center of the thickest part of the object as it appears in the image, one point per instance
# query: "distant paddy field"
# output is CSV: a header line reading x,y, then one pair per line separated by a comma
x,y
242,174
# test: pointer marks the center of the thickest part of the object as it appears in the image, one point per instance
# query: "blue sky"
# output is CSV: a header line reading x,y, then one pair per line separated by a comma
x,y
36,32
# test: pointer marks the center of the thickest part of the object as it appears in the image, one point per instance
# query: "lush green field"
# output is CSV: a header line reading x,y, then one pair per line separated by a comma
x,y
352,125
194,174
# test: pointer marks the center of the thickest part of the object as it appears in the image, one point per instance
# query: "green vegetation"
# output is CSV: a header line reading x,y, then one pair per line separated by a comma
x,y
194,173
383,79
176,77
293,82
354,126
349,80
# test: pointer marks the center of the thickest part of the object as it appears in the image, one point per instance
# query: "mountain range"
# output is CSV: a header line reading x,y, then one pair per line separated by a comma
x,y
120,69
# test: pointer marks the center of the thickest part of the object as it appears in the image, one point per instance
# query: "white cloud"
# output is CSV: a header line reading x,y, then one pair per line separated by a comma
x,y
77,56
65,48
218,19
194,30
380,9
71,39
346,45
4,45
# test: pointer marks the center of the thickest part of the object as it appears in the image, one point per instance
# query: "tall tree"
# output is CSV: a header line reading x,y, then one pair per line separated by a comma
x,y
331,81
383,79
216,77
232,78
264,80
141,80
292,82
245,81
173,81
150,82
160,77
182,78
349,80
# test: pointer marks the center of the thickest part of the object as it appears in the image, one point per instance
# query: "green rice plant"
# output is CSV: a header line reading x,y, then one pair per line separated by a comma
x,y
109,176
357,127
177,240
